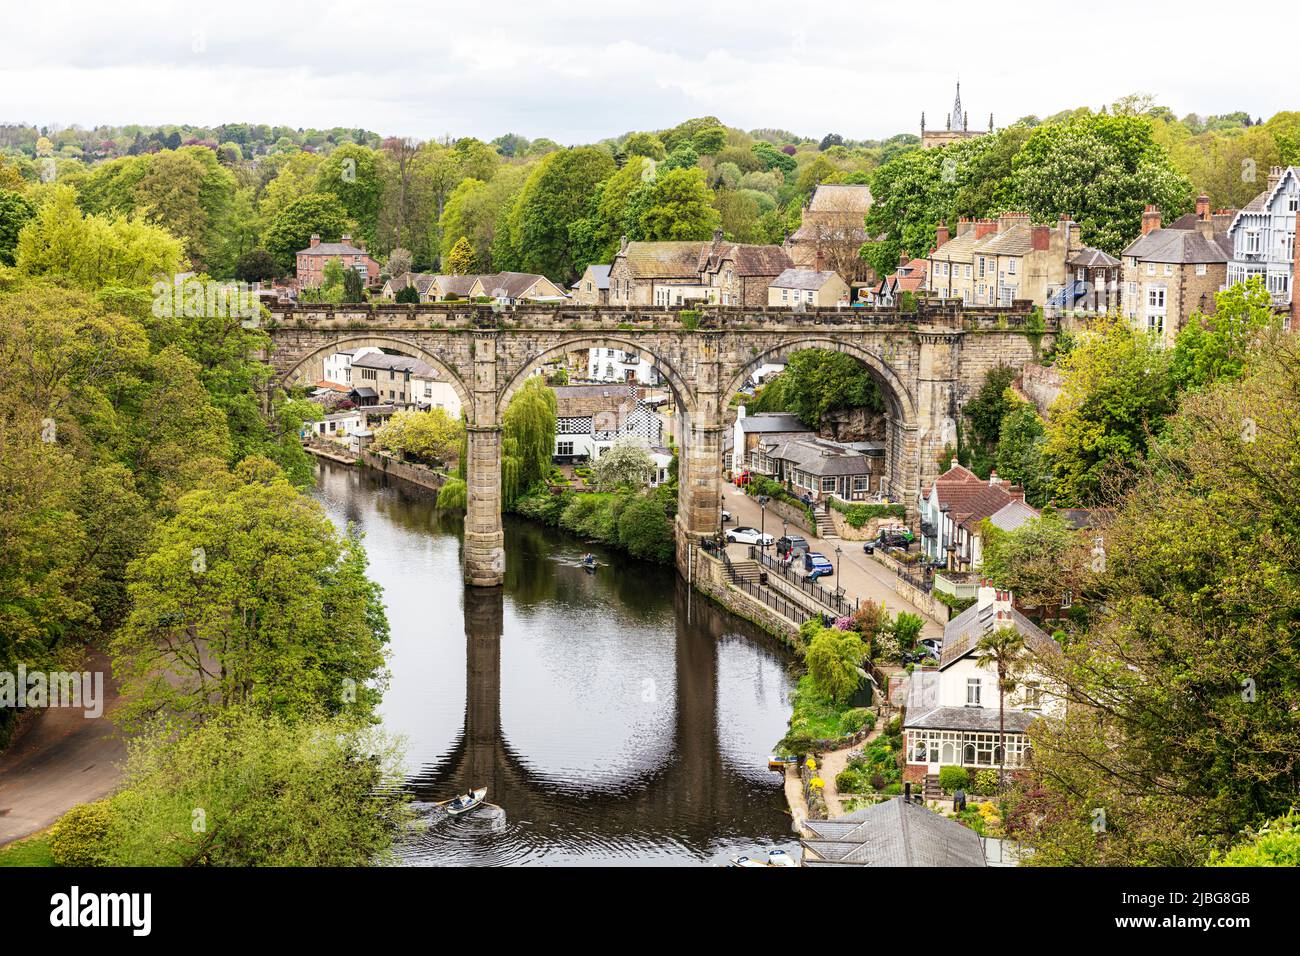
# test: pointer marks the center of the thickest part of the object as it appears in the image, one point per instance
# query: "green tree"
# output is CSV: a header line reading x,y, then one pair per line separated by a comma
x,y
817,382
1212,348
15,212
645,531
528,438
553,198
1020,457
353,175
292,228
256,265
461,260
833,659
1001,650
432,437
626,463
249,597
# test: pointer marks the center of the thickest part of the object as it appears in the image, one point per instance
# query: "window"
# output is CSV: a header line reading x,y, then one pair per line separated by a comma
x,y
981,261
828,484
1155,298
564,448
1151,268
1033,695
973,691
1011,266
968,271
1200,268
861,482
1252,242
1169,269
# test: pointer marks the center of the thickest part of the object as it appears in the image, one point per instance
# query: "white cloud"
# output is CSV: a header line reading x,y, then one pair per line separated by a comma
x,y
586,70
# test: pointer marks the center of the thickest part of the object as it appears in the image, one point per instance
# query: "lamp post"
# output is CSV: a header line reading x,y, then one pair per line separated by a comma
x,y
838,582
762,525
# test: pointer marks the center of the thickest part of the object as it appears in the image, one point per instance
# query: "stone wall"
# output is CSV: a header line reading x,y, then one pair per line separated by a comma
x,y
708,576
1040,384
407,471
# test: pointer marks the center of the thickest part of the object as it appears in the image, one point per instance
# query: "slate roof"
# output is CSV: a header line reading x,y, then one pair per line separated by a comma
x,y
599,275
456,284
512,284
973,719
395,363
806,279
1091,258
892,833
819,457
840,198
1180,246
664,260
963,632
333,249
1012,515
750,260
768,422
421,280
579,401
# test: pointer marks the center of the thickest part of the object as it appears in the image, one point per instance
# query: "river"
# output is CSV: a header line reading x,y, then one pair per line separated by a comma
x,y
614,717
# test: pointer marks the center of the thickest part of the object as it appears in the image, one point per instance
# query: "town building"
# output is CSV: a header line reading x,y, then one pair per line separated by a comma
x,y
957,126
755,435
592,287
349,253
740,274
952,710
338,365
819,468
450,288
1263,236
336,425
404,382
912,276
621,365
511,288
951,510
1094,283
832,230
1172,271
665,274
591,418
999,261
808,288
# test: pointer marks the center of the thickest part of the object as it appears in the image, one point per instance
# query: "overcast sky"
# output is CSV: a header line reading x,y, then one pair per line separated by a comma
x,y
580,71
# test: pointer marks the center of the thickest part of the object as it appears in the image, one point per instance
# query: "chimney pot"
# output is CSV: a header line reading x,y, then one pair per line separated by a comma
x,y
315,239
1202,206
1150,220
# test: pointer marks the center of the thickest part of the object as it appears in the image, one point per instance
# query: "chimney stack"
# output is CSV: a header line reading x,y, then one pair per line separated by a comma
x,y
954,463
993,478
1274,177
985,227
819,262
941,234
1202,206
1150,220
1042,238
315,239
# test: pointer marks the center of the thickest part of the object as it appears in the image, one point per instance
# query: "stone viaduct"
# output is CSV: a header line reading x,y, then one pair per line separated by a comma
x,y
927,363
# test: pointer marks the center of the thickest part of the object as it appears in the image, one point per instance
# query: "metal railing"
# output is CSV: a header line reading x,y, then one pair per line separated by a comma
x,y
783,606
835,601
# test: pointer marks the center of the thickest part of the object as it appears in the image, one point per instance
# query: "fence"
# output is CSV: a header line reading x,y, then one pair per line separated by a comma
x,y
786,608
832,600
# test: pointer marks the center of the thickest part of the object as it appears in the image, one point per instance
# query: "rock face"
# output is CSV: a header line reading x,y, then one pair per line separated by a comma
x,y
854,424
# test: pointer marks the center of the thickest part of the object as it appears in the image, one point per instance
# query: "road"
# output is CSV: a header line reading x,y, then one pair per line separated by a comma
x,y
60,759
859,575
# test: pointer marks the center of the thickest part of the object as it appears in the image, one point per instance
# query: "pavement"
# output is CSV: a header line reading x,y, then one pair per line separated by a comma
x,y
859,575
60,759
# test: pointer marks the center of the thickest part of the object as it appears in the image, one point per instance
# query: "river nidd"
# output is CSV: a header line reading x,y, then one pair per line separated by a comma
x,y
614,717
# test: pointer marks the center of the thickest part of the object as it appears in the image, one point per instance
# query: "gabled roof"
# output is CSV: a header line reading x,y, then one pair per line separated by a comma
x,y
975,719
663,260
1012,515
752,260
1264,200
1091,258
840,198
333,249
820,457
1180,247
421,280
512,285
892,833
456,284
968,498
599,274
395,363
804,279
963,632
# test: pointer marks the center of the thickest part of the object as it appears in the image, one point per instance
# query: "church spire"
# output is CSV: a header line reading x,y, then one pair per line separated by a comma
x,y
958,121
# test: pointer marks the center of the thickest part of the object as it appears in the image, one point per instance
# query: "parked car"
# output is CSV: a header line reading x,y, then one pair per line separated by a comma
x,y
817,565
791,542
726,515
745,535
890,538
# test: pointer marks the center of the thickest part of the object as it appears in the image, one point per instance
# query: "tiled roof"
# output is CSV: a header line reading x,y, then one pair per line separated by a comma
x,y
663,260
421,281
819,457
892,833
395,363
456,284
333,249
840,198
806,279
1091,258
969,498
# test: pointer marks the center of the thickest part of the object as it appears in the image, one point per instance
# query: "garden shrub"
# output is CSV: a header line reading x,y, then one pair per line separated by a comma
x,y
79,837
953,778
894,727
986,781
859,718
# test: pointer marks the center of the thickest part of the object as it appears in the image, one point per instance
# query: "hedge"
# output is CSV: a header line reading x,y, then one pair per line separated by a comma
x,y
78,838
954,778
858,515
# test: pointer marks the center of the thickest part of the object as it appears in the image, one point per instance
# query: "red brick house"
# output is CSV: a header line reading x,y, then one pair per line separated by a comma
x,y
350,253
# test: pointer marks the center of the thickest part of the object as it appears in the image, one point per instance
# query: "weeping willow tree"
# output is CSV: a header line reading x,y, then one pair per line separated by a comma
x,y
528,439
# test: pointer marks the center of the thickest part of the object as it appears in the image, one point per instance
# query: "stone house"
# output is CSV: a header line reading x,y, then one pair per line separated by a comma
x,y
592,287
810,288
912,276
755,436
952,710
997,261
1263,237
349,253
404,382
422,281
1173,271
510,288
450,287
739,274
819,468
591,418
662,274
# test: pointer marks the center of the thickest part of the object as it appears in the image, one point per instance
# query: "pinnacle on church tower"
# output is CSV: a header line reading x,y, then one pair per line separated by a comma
x,y
958,121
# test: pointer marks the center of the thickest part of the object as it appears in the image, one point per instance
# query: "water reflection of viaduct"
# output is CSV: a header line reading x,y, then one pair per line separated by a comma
x,y
926,363
690,768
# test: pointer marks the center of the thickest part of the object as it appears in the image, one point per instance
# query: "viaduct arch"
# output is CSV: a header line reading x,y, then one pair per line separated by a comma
x,y
927,363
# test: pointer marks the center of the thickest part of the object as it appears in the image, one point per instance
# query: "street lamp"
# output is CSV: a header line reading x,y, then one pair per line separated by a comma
x,y
838,582
762,525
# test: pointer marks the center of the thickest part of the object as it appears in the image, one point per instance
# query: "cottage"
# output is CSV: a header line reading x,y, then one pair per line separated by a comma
x,y
819,468
422,281
911,277
808,288
337,425
349,253
740,274
754,436
952,710
662,274
592,287
896,832
1173,271
832,230
510,288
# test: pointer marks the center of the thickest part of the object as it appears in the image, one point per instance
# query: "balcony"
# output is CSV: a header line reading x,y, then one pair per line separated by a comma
x,y
961,585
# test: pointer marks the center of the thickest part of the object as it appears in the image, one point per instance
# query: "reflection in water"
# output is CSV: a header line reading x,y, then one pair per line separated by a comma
x,y
613,717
